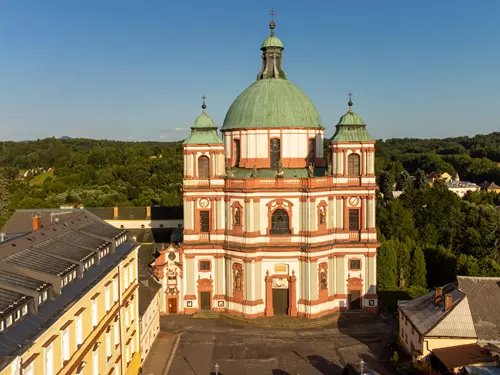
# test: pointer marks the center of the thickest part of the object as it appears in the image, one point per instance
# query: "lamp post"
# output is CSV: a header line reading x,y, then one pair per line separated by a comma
x,y
217,368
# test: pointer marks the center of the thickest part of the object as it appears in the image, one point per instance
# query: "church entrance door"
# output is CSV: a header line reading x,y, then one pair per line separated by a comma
x,y
172,305
354,300
205,300
280,301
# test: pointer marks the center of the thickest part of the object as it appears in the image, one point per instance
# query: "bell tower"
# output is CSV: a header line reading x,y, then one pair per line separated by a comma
x,y
203,180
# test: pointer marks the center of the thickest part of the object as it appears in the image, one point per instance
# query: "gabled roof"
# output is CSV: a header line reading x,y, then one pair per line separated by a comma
x,y
489,186
425,314
483,294
462,355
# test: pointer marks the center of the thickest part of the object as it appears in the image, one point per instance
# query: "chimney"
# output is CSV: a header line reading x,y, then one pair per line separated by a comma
x,y
115,212
438,294
148,212
448,301
35,223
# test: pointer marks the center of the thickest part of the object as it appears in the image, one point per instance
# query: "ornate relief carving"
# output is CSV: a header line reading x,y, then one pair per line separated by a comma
x,y
205,283
280,283
354,282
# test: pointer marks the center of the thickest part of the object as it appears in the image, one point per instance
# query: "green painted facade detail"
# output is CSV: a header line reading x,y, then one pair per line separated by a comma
x,y
351,129
203,132
272,103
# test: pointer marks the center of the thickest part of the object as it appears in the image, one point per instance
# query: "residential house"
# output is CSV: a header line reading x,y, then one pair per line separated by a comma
x,y
489,187
68,296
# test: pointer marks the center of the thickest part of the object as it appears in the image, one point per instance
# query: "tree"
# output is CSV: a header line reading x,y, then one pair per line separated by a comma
x,y
396,221
418,269
403,262
403,181
420,179
386,183
387,265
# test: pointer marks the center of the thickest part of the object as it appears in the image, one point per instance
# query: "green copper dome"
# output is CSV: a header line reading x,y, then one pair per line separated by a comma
x,y
204,131
272,41
351,129
272,103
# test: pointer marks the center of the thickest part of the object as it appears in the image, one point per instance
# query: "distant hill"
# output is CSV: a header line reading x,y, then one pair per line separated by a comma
x,y
65,137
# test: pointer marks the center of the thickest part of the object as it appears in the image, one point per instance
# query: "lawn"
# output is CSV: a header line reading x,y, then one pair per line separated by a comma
x,y
39,179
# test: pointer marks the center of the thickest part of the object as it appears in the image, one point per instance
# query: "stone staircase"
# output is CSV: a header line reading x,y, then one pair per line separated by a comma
x,y
206,314
285,322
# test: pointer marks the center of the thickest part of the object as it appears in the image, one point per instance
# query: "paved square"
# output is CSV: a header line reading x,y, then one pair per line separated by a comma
x,y
248,350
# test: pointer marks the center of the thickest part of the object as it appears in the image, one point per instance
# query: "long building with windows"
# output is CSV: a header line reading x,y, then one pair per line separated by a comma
x,y
271,225
68,296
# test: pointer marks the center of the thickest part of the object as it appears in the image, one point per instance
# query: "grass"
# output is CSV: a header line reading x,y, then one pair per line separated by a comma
x,y
39,179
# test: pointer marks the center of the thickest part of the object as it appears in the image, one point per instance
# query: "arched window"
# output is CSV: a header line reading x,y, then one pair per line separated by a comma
x,y
280,223
203,167
275,151
353,165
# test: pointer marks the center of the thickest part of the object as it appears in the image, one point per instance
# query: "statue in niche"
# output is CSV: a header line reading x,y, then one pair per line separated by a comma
x,y
310,170
254,171
323,283
329,171
237,216
279,168
322,215
229,171
237,280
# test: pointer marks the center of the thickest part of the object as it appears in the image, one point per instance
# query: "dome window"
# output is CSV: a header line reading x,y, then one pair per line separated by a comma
x,y
275,152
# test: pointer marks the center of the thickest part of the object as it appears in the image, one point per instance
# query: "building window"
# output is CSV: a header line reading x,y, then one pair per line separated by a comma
x,y
108,345
354,264
95,318
203,167
95,362
353,219
8,321
204,265
237,152
107,298
117,369
115,289
79,330
204,221
65,344
49,360
116,334
275,152
280,222
127,316
125,277
353,165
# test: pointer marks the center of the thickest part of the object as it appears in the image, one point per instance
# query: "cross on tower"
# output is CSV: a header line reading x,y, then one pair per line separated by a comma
x,y
203,106
272,13
350,100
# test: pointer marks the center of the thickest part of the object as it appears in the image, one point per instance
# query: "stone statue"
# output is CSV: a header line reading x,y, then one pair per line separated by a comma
x,y
322,215
237,278
323,280
310,170
237,216
329,171
254,172
229,172
279,168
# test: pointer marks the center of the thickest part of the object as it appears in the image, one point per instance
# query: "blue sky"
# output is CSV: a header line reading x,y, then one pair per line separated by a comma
x,y
121,69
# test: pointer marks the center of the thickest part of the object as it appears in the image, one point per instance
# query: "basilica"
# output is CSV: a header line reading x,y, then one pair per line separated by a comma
x,y
272,226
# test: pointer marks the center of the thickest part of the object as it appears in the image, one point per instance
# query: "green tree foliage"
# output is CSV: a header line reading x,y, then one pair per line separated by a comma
x,y
404,262
420,179
386,184
418,269
403,180
387,265
396,221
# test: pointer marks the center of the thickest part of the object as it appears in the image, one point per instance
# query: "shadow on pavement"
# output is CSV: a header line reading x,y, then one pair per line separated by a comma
x,y
279,372
323,365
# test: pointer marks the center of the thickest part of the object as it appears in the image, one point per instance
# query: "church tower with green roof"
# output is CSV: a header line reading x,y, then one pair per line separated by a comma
x,y
271,225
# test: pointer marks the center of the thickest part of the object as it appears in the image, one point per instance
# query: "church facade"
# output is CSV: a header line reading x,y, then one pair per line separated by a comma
x,y
271,225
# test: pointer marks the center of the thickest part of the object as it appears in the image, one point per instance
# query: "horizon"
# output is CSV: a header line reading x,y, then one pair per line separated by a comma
x,y
137,72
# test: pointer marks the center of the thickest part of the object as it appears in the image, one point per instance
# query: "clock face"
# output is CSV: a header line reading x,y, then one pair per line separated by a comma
x,y
353,201
204,202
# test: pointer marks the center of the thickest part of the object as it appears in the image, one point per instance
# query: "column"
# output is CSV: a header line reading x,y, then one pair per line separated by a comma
x,y
330,218
313,280
364,212
340,279
269,295
256,206
313,212
346,213
292,285
190,276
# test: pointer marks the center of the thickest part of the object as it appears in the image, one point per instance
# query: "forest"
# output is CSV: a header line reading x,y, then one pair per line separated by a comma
x,y
428,234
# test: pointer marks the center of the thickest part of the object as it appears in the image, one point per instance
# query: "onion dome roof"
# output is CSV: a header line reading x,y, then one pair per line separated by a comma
x,y
204,131
351,128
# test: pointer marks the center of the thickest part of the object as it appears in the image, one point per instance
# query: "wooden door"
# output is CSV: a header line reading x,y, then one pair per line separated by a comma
x,y
280,301
205,300
355,300
172,305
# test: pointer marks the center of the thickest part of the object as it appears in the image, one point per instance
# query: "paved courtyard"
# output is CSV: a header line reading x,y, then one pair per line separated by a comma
x,y
248,350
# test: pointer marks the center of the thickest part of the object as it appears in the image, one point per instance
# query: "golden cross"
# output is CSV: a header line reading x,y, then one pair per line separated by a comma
x,y
272,13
